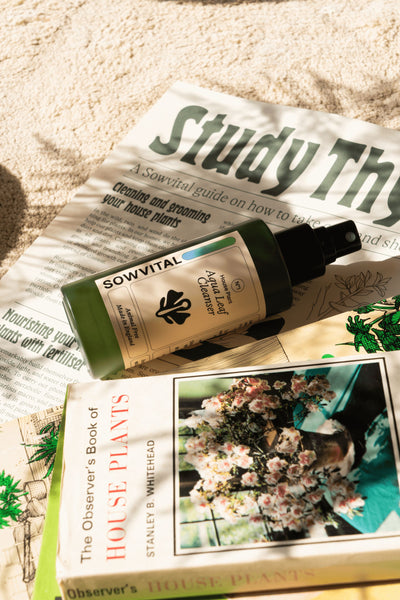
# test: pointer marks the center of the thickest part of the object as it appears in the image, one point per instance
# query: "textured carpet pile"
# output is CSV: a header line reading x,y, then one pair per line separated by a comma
x,y
76,75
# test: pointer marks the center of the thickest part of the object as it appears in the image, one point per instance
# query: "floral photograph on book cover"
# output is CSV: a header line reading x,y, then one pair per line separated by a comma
x,y
272,457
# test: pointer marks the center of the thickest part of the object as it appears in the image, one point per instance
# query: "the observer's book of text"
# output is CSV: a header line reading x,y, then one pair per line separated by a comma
x,y
232,481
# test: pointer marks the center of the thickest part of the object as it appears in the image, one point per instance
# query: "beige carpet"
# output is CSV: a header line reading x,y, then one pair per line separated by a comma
x,y
75,76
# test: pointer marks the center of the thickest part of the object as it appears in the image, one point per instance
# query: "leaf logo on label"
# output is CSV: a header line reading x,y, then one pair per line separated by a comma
x,y
173,308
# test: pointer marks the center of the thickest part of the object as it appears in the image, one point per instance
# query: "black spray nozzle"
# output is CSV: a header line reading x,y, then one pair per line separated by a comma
x,y
307,251
338,240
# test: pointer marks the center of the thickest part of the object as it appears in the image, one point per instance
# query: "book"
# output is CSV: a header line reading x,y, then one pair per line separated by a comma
x,y
46,586
197,162
377,321
236,481
316,341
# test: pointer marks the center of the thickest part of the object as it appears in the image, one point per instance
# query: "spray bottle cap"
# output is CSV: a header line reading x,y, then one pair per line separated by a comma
x,y
307,251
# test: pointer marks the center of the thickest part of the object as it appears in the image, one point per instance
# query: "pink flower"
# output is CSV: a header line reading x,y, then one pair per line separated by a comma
x,y
291,523
252,385
256,382
244,461
261,404
308,481
297,511
252,390
193,421
214,403
239,401
210,484
241,450
228,447
222,465
307,457
283,504
289,439
276,464
312,406
266,500
249,479
294,470
221,502
278,385
272,401
256,518
299,384
246,505
272,478
318,385
350,505
315,496
281,490
257,405
195,443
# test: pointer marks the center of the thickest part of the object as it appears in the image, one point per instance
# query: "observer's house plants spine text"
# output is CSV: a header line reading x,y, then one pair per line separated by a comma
x,y
232,481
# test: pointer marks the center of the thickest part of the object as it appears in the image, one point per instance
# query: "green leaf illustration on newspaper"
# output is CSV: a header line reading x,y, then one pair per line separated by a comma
x,y
10,494
381,333
349,291
46,448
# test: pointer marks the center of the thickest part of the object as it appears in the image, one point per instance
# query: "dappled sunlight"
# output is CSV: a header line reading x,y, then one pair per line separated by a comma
x,y
13,211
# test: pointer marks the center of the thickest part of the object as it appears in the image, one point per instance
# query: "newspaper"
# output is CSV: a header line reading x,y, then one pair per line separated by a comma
x,y
197,162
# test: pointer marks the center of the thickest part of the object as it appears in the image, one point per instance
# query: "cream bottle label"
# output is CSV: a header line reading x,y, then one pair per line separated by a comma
x,y
184,297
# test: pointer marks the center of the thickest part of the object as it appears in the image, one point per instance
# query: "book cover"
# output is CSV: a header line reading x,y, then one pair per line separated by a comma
x,y
234,481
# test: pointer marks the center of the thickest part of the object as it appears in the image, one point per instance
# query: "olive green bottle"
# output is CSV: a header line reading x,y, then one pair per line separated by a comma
x,y
170,300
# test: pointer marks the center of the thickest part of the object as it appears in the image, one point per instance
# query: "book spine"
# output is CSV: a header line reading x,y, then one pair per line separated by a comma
x,y
267,576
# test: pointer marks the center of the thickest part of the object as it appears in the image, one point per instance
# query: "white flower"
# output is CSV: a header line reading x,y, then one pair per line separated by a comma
x,y
291,523
348,506
193,421
266,501
239,400
315,496
244,462
246,505
288,440
214,403
249,479
294,471
307,457
195,443
276,464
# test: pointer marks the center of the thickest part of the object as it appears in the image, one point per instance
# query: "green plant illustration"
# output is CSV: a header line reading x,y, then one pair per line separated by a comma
x,y
10,494
351,290
46,448
382,333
